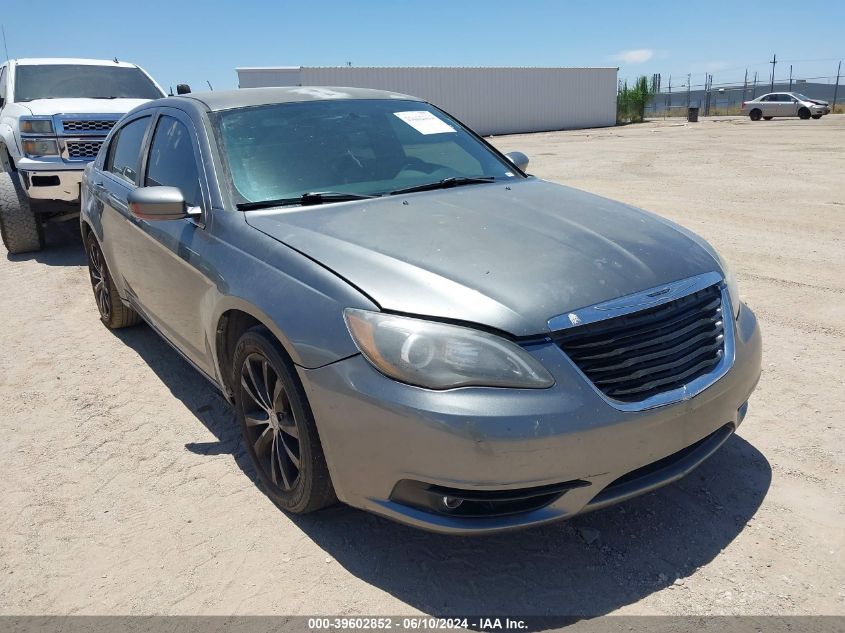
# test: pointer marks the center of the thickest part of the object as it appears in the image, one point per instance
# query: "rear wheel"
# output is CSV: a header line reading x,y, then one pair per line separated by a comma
x,y
19,227
804,113
756,114
768,118
113,313
278,426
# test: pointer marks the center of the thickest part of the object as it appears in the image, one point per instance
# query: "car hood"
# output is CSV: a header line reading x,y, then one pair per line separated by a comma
x,y
506,256
49,107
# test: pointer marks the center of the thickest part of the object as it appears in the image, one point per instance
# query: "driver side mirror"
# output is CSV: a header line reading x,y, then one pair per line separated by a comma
x,y
519,159
183,89
160,203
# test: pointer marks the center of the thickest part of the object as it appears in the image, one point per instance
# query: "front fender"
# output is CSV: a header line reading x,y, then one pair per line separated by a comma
x,y
297,299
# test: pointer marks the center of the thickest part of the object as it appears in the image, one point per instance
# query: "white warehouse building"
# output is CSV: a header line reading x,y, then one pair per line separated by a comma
x,y
489,100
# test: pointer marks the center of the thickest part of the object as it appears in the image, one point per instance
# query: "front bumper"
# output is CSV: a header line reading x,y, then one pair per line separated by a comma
x,y
47,184
377,432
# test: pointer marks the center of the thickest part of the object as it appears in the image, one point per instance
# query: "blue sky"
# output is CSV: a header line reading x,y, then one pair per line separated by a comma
x,y
191,42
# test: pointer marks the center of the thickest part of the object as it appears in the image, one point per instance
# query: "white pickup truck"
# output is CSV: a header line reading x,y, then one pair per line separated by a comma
x,y
54,116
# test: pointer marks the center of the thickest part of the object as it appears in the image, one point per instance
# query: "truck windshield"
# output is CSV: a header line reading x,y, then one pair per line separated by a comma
x,y
354,147
69,81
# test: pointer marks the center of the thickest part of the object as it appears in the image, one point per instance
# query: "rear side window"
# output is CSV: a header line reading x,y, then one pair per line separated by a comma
x,y
124,158
172,162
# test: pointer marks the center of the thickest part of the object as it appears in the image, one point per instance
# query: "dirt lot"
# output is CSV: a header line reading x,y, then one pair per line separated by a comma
x,y
125,491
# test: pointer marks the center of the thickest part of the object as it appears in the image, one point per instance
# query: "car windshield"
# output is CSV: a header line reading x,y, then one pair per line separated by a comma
x,y
357,147
801,97
74,81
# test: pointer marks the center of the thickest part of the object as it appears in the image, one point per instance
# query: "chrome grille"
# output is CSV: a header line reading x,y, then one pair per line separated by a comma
x,y
87,125
82,150
638,355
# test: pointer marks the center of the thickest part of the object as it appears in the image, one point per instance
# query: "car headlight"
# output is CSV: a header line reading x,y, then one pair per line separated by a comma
x,y
442,356
36,126
40,147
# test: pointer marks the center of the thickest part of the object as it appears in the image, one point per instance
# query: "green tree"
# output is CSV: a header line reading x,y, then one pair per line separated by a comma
x,y
632,100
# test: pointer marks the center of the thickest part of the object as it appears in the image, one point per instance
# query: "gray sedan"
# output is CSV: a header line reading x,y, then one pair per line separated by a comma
x,y
403,319
784,104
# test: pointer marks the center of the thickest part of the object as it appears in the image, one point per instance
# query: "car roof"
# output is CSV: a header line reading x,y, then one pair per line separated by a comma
x,y
44,61
245,97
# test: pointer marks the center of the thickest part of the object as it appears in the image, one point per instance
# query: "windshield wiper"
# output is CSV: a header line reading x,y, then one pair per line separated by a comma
x,y
453,181
306,199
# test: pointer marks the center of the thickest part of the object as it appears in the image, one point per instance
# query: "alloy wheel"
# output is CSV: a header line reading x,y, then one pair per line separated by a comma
x,y
270,423
99,280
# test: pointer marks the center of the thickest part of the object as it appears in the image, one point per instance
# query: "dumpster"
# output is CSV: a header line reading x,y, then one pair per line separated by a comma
x,y
692,114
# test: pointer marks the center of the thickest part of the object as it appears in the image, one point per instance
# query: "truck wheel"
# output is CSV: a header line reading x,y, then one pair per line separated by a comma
x,y
756,114
19,227
113,313
804,113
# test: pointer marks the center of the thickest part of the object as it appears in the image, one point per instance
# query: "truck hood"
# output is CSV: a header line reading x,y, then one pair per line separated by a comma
x,y
508,256
49,107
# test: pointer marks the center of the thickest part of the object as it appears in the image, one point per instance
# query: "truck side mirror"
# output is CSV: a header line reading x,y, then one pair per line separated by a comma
x,y
183,89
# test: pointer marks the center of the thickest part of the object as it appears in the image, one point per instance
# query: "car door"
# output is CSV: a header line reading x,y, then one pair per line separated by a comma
x,y
170,255
111,186
767,107
790,105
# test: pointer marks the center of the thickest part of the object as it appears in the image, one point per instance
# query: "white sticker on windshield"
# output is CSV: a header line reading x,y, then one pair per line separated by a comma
x,y
425,122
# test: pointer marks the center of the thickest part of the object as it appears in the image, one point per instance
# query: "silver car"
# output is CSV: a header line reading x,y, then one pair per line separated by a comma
x,y
785,104
406,321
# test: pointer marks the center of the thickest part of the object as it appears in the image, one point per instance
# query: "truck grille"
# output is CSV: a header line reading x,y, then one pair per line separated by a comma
x,y
635,356
87,125
82,150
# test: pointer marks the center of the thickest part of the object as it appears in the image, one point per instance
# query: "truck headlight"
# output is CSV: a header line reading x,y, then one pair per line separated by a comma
x,y
40,147
36,126
442,356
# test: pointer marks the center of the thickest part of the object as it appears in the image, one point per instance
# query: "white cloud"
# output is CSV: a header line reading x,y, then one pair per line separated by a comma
x,y
635,56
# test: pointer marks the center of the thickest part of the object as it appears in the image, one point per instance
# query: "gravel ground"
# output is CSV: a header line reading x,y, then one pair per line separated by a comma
x,y
125,490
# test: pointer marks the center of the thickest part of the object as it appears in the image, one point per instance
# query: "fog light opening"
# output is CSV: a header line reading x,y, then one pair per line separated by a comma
x,y
451,503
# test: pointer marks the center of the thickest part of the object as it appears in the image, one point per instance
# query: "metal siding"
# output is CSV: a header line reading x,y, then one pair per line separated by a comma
x,y
489,100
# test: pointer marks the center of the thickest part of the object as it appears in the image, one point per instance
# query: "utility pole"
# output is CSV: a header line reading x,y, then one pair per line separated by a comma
x,y
744,87
836,90
689,81
774,63
669,98
754,92
790,78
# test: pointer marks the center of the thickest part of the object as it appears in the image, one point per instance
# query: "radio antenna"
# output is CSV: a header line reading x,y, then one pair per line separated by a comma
x,y
5,48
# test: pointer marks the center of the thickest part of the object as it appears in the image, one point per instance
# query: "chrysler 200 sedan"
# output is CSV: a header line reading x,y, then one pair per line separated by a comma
x,y
406,321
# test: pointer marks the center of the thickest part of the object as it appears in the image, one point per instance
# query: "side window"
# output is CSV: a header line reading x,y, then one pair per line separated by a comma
x,y
172,162
766,98
3,84
124,157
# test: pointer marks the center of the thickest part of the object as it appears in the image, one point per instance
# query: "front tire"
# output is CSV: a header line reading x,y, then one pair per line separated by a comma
x,y
817,116
768,118
278,427
20,229
756,114
113,313
804,113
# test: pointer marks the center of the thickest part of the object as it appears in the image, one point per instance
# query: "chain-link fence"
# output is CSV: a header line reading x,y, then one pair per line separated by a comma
x,y
715,99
